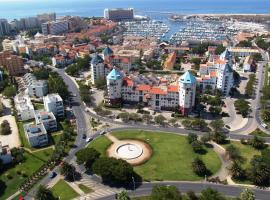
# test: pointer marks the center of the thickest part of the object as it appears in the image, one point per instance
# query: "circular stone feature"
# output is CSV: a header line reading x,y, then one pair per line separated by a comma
x,y
129,151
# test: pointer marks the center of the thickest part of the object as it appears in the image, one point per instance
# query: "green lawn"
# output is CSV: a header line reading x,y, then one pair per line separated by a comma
x,y
28,167
85,189
38,106
259,133
100,144
45,154
23,138
63,190
171,159
246,151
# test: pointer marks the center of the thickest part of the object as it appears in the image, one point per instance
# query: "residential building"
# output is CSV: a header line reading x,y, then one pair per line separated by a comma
x,y
7,45
126,59
3,57
157,93
4,27
45,17
47,119
242,52
5,154
54,103
34,87
187,92
36,134
24,107
55,27
15,65
119,14
248,65
62,60
98,69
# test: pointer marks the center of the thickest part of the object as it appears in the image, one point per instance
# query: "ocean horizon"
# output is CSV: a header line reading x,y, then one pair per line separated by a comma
x,y
14,9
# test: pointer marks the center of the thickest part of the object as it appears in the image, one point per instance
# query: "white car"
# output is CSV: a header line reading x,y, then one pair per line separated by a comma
x,y
102,132
264,125
89,139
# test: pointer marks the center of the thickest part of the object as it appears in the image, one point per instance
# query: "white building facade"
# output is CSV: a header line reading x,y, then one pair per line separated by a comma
x,y
54,103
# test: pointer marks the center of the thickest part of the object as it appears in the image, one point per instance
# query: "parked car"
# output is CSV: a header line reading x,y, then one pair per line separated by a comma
x,y
227,126
264,125
89,139
52,175
84,136
102,132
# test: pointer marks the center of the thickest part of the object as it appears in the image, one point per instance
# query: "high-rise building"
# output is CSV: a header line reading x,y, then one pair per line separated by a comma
x,y
15,65
187,92
55,27
54,103
114,83
119,14
4,27
45,17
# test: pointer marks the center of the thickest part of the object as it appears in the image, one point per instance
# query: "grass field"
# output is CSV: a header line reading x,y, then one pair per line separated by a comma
x,y
38,106
171,159
30,165
63,191
85,189
259,133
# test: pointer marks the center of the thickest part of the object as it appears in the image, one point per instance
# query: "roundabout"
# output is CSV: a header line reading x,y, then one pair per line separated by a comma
x,y
135,152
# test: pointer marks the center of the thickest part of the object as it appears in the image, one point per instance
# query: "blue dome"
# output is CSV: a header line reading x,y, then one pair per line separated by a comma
x,y
96,59
187,77
226,55
107,51
114,75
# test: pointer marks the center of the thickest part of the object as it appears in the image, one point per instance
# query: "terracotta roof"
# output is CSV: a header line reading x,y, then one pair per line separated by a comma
x,y
173,88
213,74
128,82
143,88
156,90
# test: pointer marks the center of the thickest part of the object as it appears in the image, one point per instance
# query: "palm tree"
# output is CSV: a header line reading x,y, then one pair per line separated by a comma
x,y
44,194
237,171
68,171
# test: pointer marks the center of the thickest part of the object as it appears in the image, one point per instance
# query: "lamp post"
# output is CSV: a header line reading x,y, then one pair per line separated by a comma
x,y
134,185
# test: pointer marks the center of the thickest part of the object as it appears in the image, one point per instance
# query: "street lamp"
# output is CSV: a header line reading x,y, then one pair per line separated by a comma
x,y
134,186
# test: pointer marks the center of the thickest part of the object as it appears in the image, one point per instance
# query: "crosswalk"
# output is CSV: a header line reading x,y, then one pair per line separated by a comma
x,y
100,190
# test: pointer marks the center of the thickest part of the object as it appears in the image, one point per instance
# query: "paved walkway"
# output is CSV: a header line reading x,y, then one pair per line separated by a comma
x,y
223,173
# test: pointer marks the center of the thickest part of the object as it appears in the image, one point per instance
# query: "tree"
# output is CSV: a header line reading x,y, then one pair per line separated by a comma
x,y
68,171
237,171
233,152
17,154
199,167
100,83
186,123
57,85
205,138
41,74
44,194
247,194
257,142
217,125
220,49
198,124
266,115
3,187
147,118
219,137
215,110
122,196
160,119
1,108
244,43
242,106
87,157
197,146
196,62
211,194
163,192
5,128
259,172
10,91
113,171
191,195
192,137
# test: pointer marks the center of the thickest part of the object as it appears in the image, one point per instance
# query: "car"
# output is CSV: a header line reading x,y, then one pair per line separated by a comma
x,y
264,125
84,136
227,126
89,139
102,132
52,175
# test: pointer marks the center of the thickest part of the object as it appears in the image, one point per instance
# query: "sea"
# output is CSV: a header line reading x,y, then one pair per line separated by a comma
x,y
14,9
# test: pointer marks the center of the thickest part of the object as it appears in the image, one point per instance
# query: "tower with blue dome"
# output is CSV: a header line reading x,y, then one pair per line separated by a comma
x,y
114,86
187,92
107,54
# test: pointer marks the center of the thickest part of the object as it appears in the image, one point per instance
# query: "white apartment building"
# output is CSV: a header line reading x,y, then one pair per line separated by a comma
x,y
47,119
54,103
34,87
55,27
158,96
98,69
24,107
36,134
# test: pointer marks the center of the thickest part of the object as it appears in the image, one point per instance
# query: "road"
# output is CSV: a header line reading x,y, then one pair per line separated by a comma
x,y
83,127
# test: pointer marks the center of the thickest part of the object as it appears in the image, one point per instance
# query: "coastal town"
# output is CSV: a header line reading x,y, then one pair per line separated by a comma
x,y
128,107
